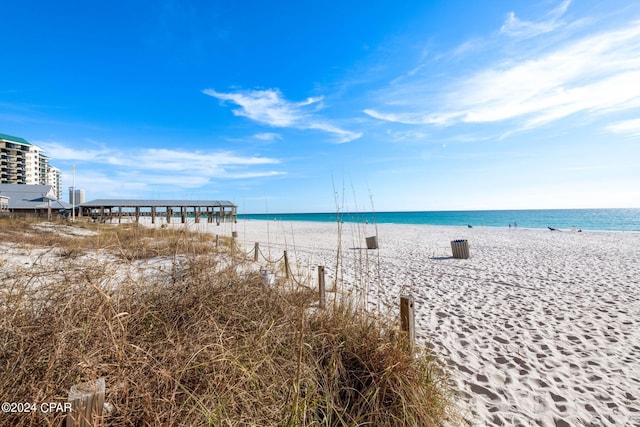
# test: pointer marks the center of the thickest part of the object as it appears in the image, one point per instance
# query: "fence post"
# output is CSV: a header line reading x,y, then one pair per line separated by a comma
x,y
87,403
217,241
256,250
286,265
321,287
408,320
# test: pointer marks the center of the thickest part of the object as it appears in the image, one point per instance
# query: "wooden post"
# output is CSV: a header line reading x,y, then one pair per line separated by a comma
x,y
407,319
87,403
137,214
321,287
168,215
217,241
286,265
119,214
182,214
153,215
256,250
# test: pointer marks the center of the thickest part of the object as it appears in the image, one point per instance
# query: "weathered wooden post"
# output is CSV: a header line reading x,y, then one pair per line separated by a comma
x,y
256,250
217,241
87,403
286,265
153,215
408,320
321,286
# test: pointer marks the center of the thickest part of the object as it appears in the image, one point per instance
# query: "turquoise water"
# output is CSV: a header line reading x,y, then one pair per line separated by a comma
x,y
564,219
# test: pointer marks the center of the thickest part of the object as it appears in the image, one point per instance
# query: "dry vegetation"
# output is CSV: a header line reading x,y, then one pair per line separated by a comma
x,y
201,343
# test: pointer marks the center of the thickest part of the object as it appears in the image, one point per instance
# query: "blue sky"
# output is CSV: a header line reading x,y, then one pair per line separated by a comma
x,y
416,105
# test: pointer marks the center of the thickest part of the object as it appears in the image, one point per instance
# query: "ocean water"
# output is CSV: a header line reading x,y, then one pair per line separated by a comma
x,y
562,219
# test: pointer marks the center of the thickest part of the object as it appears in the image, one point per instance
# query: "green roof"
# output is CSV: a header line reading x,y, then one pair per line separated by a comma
x,y
15,139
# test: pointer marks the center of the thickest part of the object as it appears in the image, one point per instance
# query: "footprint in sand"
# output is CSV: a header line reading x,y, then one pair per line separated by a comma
x,y
500,340
478,389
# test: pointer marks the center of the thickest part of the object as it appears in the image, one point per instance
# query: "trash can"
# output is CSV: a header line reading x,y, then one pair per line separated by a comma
x,y
372,242
460,249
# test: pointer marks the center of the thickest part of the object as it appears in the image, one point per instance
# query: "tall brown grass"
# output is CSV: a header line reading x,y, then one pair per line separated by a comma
x,y
205,344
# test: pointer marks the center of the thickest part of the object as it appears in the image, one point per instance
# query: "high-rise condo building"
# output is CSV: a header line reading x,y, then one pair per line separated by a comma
x,y
21,162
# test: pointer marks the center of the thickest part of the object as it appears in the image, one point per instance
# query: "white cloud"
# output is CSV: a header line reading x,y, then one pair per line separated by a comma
x,y
59,151
140,168
593,74
411,118
267,136
631,127
269,107
513,26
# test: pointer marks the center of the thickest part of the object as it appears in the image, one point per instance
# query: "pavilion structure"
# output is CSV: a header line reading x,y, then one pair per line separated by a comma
x,y
109,209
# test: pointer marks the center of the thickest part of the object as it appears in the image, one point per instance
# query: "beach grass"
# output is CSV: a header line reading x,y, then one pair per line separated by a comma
x,y
204,342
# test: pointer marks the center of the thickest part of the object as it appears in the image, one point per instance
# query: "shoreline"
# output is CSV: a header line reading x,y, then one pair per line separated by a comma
x,y
620,220
490,227
537,327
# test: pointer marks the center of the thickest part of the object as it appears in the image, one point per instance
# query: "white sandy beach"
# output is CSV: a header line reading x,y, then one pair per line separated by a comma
x,y
539,328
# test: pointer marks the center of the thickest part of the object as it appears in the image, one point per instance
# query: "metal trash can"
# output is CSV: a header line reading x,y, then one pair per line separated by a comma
x,y
460,249
372,242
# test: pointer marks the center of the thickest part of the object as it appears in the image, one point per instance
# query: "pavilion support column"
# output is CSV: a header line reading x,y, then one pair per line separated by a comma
x,y
182,214
119,214
137,214
153,215
168,215
101,213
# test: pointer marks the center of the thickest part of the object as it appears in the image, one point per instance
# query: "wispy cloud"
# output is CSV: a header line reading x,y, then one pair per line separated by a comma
x,y
515,27
167,166
630,127
60,151
270,107
593,74
267,136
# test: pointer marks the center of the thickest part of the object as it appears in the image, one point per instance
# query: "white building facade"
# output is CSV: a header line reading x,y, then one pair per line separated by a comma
x,y
21,162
